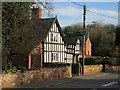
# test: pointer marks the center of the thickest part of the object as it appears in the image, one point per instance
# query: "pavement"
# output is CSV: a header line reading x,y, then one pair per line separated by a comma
x,y
61,81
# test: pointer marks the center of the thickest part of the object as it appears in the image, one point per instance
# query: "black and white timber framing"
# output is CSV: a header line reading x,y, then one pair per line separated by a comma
x,y
54,49
73,48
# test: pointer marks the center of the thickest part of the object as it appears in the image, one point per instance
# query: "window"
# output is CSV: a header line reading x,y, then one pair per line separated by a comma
x,y
54,37
51,36
54,56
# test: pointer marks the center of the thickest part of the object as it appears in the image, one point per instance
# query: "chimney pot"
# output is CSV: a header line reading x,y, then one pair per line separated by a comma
x,y
37,12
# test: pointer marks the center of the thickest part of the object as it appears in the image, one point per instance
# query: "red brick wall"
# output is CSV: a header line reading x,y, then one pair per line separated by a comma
x,y
35,51
110,68
90,69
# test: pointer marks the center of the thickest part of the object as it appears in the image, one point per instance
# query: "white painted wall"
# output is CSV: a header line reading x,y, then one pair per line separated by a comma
x,y
69,58
50,47
77,47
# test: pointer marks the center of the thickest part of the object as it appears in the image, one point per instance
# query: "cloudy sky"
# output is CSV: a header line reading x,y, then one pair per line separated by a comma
x,y
69,13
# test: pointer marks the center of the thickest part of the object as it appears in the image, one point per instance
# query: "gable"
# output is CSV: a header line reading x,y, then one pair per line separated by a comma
x,y
54,49
88,41
38,30
70,40
78,41
54,35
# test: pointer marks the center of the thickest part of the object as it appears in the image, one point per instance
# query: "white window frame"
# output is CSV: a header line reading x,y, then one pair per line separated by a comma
x,y
54,57
54,37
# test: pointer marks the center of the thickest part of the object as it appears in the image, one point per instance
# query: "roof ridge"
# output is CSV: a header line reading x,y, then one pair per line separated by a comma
x,y
46,18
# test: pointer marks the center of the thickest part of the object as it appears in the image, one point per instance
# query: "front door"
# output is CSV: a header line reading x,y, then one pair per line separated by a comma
x,y
35,61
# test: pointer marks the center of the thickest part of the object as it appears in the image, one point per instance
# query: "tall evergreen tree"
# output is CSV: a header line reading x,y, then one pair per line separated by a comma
x,y
117,41
15,15
15,32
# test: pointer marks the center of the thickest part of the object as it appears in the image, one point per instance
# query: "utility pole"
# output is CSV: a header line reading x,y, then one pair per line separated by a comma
x,y
83,48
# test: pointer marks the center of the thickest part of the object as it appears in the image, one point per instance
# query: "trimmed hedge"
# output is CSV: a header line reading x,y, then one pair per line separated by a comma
x,y
90,60
114,61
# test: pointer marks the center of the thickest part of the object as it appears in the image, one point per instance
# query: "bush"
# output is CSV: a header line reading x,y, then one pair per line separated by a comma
x,y
114,61
90,60
22,68
13,69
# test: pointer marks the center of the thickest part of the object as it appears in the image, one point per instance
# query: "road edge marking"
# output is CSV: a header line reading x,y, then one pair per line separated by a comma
x,y
108,84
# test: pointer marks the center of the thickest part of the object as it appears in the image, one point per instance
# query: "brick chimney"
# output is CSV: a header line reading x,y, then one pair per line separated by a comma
x,y
37,12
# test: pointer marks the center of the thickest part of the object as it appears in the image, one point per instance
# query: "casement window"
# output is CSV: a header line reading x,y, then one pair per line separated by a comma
x,y
54,37
51,36
54,56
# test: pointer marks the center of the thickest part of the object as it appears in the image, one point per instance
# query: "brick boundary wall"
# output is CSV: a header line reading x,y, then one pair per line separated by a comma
x,y
90,69
112,68
18,78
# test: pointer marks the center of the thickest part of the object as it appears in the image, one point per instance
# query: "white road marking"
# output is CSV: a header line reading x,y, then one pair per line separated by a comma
x,y
111,83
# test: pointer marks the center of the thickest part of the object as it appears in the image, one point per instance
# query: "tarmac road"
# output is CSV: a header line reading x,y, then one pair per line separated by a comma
x,y
105,80
110,80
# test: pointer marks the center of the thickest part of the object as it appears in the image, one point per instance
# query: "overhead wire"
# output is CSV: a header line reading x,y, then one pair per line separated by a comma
x,y
93,11
49,12
101,14
76,19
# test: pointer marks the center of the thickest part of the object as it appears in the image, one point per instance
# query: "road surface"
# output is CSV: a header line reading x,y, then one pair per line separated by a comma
x,y
95,81
105,80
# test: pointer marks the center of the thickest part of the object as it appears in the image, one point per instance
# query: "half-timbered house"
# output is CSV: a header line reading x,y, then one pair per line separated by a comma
x,y
74,46
72,49
47,41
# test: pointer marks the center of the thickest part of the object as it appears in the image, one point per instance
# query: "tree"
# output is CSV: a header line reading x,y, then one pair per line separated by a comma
x,y
117,41
72,30
15,32
15,15
102,37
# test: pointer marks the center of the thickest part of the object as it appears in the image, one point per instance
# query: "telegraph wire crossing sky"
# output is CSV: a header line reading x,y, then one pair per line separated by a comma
x,y
69,13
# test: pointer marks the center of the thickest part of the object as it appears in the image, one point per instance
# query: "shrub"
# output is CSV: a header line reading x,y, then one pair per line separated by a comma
x,y
9,67
13,69
114,61
90,60
22,68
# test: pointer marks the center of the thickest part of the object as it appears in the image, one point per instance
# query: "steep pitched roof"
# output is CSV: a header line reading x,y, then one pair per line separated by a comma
x,y
81,39
39,29
71,39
